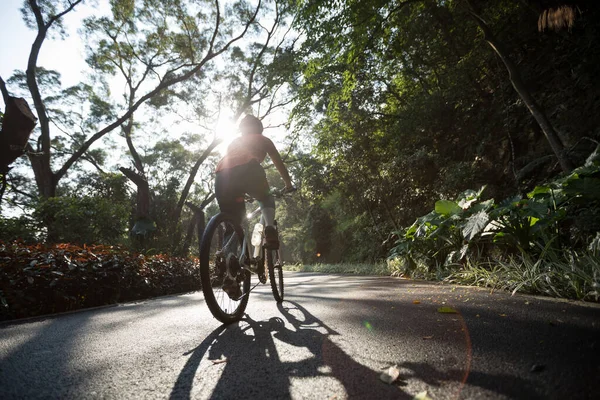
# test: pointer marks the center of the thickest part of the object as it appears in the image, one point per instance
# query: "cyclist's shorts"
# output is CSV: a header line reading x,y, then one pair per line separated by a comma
x,y
231,184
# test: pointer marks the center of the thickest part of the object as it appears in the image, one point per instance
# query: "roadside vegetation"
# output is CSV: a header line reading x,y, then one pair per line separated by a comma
x,y
45,279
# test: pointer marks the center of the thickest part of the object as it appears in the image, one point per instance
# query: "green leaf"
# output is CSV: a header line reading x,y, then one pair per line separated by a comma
x,y
447,310
539,190
475,224
447,207
533,221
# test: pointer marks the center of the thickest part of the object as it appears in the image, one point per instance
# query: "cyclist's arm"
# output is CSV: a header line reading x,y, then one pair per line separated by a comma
x,y
281,168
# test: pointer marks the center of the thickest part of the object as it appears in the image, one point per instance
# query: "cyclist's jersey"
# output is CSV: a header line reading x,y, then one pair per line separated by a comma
x,y
245,149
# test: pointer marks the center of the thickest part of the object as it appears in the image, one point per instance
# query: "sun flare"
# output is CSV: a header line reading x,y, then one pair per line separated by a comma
x,y
227,130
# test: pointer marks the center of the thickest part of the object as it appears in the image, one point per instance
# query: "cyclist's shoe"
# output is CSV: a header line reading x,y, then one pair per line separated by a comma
x,y
232,288
230,283
271,239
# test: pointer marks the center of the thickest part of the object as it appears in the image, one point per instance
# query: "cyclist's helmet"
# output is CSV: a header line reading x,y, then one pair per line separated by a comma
x,y
251,124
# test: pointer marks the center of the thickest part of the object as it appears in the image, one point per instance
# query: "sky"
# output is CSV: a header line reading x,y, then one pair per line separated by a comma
x,y
16,40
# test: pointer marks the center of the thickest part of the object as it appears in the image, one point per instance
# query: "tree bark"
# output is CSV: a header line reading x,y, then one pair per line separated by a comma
x,y
198,221
517,82
143,193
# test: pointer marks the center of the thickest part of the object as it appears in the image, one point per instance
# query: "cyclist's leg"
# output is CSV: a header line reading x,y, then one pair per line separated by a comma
x,y
229,191
231,201
258,187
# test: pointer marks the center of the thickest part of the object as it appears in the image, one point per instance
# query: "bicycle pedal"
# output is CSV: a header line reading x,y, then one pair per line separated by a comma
x,y
262,278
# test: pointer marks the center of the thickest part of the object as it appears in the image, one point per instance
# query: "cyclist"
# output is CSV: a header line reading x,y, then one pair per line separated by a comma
x,y
240,172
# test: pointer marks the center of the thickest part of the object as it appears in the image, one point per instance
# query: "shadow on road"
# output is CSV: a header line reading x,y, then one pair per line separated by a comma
x,y
254,368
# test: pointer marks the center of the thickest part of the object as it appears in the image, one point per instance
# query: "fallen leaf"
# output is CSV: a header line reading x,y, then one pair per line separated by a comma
x,y
219,361
427,337
447,310
503,315
416,302
422,396
390,375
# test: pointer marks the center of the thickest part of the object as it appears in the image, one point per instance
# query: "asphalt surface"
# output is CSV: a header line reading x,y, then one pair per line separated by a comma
x,y
330,339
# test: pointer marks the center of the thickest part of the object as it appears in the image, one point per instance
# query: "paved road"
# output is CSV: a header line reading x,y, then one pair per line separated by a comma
x,y
331,339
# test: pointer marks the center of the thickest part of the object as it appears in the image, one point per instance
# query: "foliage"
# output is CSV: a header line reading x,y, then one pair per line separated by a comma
x,y
21,228
380,268
82,220
39,279
446,234
517,243
406,105
571,275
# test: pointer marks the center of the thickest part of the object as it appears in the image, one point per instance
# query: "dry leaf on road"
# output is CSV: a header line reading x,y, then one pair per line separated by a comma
x,y
422,396
390,375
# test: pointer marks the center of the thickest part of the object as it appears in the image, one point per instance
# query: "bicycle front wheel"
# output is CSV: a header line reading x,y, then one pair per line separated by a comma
x,y
275,266
225,284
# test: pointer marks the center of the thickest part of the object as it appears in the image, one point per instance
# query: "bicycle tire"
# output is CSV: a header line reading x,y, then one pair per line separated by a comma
x,y
213,256
274,264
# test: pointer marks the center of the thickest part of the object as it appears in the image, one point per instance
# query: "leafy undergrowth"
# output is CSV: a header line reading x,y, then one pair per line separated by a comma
x,y
568,275
343,268
40,279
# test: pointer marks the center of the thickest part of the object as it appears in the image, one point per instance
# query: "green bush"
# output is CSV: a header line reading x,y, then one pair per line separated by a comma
x,y
483,240
81,220
20,228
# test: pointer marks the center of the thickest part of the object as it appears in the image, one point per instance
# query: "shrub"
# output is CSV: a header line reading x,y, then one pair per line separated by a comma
x,y
81,220
40,279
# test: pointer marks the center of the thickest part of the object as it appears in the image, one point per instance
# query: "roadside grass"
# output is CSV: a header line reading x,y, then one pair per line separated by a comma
x,y
380,268
568,275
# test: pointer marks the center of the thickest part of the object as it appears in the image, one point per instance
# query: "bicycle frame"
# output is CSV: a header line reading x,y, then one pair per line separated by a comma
x,y
246,258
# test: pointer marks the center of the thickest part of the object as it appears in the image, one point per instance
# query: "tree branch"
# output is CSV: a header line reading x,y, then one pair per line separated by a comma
x,y
160,87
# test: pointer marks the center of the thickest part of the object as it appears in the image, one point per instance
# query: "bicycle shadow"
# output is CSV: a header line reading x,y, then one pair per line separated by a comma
x,y
254,367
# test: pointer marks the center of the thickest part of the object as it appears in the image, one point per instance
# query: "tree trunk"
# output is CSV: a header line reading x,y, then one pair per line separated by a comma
x,y
143,193
517,82
176,233
198,221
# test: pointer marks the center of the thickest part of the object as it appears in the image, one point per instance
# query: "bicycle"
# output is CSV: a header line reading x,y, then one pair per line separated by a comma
x,y
227,262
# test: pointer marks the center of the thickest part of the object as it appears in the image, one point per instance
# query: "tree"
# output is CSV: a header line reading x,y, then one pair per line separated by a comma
x,y
515,78
183,55
406,106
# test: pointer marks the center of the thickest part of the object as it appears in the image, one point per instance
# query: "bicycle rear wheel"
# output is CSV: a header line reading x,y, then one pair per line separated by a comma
x,y
275,266
225,284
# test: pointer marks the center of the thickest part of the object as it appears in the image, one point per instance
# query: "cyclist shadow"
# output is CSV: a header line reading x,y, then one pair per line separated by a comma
x,y
255,369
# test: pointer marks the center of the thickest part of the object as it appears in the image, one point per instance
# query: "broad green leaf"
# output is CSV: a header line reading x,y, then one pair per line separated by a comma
x,y
464,203
483,206
475,224
533,221
539,190
447,207
536,208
